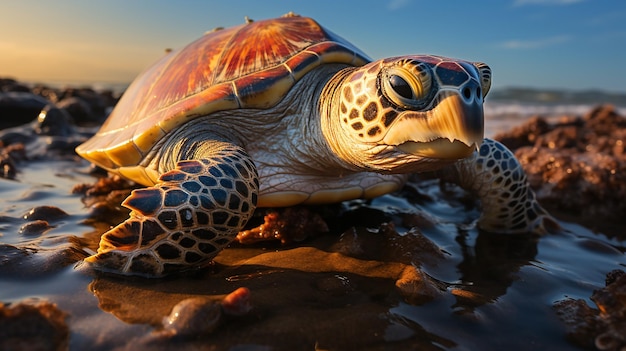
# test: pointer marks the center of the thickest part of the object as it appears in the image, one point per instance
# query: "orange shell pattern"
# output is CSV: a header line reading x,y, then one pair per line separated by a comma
x,y
249,66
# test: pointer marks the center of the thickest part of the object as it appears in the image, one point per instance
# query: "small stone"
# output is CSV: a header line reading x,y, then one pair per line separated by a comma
x,y
202,315
416,287
45,213
35,227
193,316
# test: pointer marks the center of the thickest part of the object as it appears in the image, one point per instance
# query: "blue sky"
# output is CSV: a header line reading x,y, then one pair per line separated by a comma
x,y
572,44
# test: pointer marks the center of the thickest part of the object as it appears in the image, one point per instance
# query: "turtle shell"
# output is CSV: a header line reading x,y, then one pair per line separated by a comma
x,y
248,66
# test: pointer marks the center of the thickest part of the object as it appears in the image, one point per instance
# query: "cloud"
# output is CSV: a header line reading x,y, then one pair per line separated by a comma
x,y
545,2
397,4
608,18
535,44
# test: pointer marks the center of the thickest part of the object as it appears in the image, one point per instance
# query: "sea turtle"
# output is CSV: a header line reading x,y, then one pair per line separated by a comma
x,y
283,112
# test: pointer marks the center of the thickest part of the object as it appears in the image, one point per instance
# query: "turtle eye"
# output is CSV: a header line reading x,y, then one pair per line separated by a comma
x,y
408,85
400,86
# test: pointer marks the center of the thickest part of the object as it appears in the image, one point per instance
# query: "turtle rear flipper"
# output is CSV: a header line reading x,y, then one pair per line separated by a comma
x,y
497,178
184,220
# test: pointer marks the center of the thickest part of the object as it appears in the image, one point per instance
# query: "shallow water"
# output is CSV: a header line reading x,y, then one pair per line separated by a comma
x,y
496,291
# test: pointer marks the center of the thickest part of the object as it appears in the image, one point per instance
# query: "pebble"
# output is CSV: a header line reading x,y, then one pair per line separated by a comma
x,y
46,213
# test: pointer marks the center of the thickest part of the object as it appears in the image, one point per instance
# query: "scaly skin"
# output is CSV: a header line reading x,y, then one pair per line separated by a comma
x,y
186,219
376,129
497,178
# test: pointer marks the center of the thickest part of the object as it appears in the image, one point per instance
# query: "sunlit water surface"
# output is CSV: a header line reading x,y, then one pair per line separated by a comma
x,y
512,282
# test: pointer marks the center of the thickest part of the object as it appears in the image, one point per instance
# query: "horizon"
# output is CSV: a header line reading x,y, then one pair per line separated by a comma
x,y
573,45
101,84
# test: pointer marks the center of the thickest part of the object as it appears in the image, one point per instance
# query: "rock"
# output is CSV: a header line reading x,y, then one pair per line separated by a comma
x,y
198,316
10,84
287,225
39,219
237,303
418,288
51,133
580,321
17,108
47,213
84,104
603,327
110,98
77,108
30,262
6,82
576,165
8,158
45,119
33,325
193,316
10,254
50,94
611,303
35,227
525,134
54,121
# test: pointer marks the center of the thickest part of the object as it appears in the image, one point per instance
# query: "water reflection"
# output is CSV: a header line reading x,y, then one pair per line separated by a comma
x,y
490,266
407,270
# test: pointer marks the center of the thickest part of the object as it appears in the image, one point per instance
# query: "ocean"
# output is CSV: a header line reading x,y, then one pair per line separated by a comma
x,y
507,107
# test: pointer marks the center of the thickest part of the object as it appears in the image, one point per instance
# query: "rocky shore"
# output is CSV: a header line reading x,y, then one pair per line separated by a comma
x,y
577,165
21,104
368,259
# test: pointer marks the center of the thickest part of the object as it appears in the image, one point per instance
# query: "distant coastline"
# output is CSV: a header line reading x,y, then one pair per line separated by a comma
x,y
557,97
508,95
507,106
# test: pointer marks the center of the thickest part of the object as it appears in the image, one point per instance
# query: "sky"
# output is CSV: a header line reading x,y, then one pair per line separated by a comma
x,y
554,44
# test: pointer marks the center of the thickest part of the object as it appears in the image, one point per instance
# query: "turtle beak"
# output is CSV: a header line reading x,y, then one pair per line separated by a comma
x,y
452,129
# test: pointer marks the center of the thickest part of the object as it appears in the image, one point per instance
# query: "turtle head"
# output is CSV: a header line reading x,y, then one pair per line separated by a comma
x,y
413,110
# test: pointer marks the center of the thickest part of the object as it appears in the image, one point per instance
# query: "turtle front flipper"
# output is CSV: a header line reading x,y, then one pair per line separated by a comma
x,y
184,220
508,203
